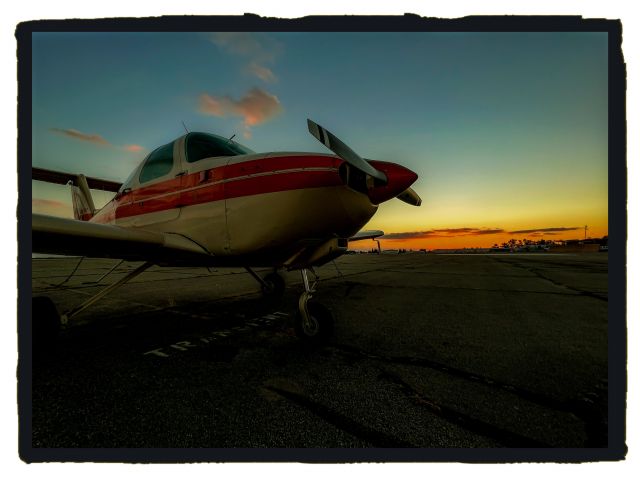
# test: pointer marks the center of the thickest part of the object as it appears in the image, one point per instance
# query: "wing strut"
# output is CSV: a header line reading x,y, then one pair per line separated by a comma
x,y
65,317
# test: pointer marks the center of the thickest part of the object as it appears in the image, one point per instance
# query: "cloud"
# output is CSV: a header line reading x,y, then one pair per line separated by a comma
x,y
538,234
469,231
259,49
95,139
51,207
42,202
262,72
133,148
241,43
86,137
487,231
409,235
546,230
472,232
256,107
443,233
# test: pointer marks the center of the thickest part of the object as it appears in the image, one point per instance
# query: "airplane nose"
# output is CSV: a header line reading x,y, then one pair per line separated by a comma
x,y
399,178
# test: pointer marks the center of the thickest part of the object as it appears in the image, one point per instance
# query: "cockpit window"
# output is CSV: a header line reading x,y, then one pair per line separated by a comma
x,y
127,183
205,145
158,164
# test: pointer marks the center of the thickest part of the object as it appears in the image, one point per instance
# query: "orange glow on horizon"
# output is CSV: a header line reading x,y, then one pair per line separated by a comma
x,y
476,241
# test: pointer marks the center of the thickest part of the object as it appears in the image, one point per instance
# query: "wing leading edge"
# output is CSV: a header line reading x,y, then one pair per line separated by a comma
x,y
62,178
63,236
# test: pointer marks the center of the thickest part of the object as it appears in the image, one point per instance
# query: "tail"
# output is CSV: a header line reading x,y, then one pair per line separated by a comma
x,y
83,206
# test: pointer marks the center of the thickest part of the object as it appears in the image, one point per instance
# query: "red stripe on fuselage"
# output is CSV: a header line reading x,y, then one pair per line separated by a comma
x,y
279,182
272,164
266,175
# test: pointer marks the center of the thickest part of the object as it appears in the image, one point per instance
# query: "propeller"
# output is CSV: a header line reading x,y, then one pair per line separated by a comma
x,y
336,145
393,182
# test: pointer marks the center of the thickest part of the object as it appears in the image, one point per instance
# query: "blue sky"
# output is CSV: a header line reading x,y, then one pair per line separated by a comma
x,y
505,130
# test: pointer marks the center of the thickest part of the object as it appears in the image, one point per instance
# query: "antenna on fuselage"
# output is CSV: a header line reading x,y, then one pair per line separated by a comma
x,y
231,138
185,127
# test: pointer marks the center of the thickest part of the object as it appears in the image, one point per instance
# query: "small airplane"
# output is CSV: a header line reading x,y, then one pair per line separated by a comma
x,y
205,200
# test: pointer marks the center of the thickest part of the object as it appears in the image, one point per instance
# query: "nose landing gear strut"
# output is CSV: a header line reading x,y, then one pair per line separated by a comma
x,y
313,322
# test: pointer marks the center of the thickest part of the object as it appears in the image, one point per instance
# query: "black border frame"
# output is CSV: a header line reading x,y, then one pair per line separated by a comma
x,y
617,184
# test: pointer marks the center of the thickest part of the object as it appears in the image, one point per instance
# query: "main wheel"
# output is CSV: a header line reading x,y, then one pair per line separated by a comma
x,y
320,326
45,321
275,285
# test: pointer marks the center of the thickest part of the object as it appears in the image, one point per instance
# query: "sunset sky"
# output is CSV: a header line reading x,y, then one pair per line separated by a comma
x,y
507,131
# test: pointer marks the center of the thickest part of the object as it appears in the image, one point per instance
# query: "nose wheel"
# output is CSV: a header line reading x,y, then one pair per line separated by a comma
x,y
314,322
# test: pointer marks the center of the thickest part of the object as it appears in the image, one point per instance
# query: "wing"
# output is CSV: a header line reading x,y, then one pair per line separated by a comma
x,y
52,176
365,234
65,236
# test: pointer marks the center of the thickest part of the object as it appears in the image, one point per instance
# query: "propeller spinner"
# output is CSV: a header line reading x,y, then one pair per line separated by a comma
x,y
392,180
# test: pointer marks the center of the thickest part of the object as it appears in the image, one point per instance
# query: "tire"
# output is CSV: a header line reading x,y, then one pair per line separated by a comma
x,y
322,320
45,322
276,286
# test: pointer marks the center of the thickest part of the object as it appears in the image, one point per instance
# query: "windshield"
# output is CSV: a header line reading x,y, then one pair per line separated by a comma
x,y
127,183
205,145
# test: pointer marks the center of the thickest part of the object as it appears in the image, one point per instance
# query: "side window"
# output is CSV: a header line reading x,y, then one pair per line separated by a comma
x,y
159,163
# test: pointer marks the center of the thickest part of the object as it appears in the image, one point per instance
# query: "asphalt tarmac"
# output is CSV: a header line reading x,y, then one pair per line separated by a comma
x,y
506,350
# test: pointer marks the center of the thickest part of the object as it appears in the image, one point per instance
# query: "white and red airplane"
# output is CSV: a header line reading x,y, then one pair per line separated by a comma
x,y
204,200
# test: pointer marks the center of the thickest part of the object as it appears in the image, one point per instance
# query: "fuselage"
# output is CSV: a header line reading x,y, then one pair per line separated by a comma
x,y
248,206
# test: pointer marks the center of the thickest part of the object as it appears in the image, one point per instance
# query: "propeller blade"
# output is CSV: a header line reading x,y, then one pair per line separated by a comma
x,y
334,144
410,196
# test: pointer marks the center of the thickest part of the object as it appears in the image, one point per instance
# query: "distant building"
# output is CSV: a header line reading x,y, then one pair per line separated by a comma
x,y
581,245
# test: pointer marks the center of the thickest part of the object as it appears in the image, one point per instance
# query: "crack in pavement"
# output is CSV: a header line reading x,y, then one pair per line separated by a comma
x,y
344,423
541,275
585,408
506,437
